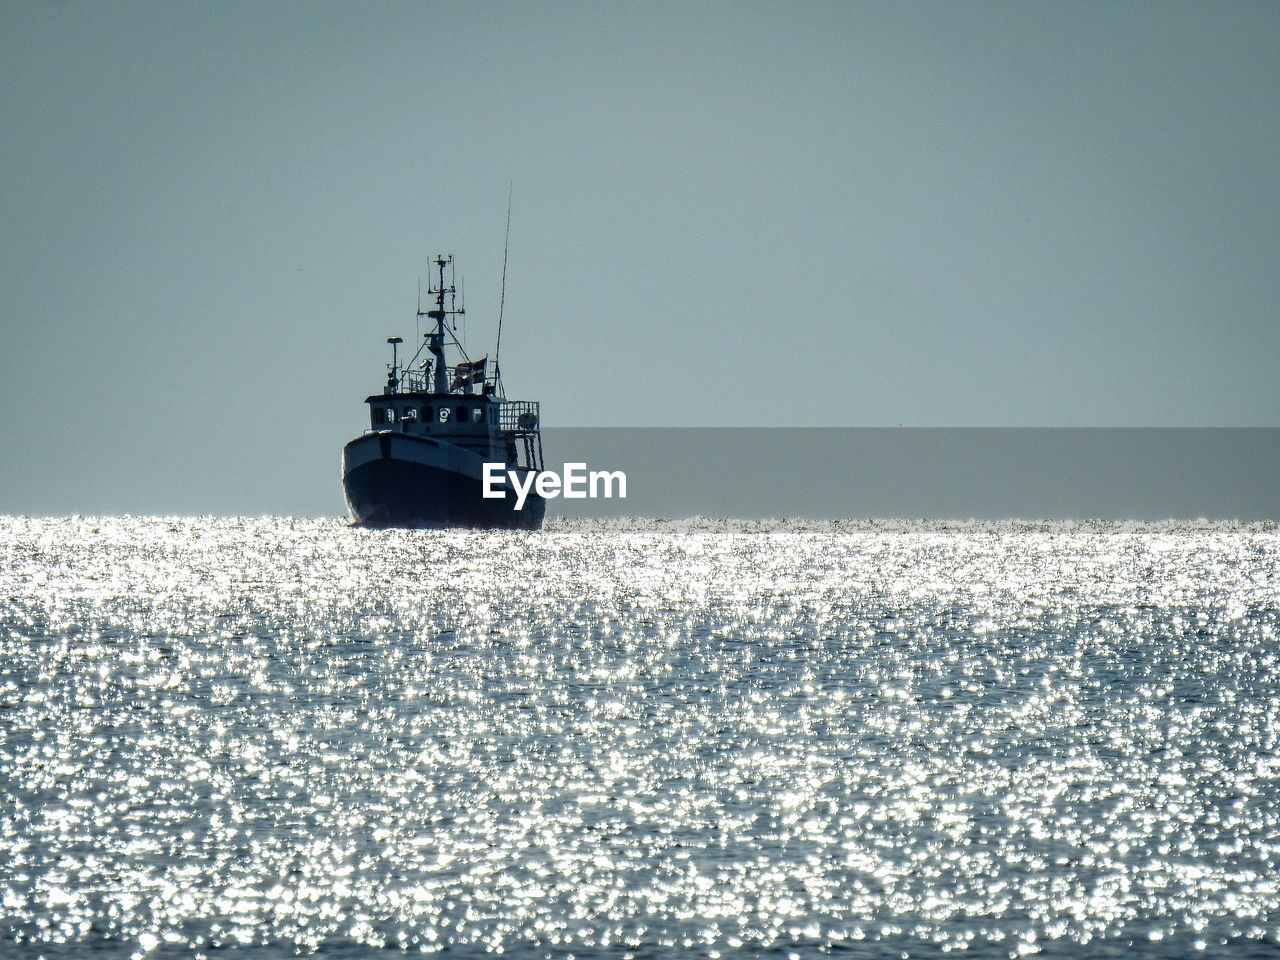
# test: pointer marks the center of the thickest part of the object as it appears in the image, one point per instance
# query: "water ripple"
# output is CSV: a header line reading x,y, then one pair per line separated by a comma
x,y
642,738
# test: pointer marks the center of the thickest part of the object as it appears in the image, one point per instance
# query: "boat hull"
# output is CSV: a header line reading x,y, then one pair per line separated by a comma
x,y
396,481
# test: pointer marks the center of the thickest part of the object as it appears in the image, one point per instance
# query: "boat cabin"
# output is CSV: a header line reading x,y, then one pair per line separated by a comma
x,y
493,427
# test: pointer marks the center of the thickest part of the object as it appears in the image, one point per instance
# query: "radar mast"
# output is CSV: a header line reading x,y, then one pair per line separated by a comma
x,y
435,339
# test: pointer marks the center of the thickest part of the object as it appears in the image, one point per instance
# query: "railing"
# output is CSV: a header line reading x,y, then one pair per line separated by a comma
x,y
415,381
423,381
519,416
521,419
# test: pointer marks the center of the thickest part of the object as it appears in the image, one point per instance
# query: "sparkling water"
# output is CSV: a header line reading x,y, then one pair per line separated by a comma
x,y
639,739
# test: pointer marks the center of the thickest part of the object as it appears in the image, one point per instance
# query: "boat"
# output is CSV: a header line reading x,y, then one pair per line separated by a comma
x,y
432,429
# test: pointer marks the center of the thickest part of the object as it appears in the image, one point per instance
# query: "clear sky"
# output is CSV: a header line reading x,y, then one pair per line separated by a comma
x,y
724,214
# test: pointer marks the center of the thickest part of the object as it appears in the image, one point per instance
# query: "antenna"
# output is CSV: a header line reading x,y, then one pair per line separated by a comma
x,y
502,300
453,293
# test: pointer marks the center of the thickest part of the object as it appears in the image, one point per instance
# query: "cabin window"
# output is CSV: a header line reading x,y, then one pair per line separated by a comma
x,y
444,414
410,413
462,414
389,415
427,414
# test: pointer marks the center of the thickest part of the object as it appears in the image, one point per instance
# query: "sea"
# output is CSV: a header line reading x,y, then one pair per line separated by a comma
x,y
264,738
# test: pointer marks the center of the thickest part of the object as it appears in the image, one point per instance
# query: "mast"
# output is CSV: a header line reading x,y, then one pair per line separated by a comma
x,y
435,339
393,372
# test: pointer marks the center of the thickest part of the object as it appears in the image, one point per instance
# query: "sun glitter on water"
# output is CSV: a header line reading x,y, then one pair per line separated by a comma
x,y
639,738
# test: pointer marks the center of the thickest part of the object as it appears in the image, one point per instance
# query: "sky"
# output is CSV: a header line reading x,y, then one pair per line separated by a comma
x,y
737,214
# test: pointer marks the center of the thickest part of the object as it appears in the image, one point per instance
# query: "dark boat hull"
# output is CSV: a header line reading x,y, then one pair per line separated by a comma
x,y
395,488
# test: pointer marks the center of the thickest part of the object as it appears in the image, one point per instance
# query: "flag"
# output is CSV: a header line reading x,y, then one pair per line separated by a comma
x,y
465,373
